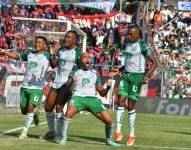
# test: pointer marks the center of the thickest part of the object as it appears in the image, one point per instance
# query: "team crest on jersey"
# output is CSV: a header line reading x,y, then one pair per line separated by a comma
x,y
62,62
32,64
85,81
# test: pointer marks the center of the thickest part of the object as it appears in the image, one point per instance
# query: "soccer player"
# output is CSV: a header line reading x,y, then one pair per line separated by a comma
x,y
137,53
38,61
65,59
86,83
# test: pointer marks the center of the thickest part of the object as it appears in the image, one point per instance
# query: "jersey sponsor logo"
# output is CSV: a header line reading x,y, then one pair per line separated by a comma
x,y
85,81
32,64
62,62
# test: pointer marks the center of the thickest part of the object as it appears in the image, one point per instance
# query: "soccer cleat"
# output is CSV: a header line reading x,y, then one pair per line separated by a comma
x,y
23,136
118,136
36,119
130,141
61,141
112,144
49,135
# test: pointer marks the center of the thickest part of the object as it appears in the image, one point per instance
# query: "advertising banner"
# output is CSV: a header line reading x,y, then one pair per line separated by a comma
x,y
184,5
105,5
164,106
12,90
87,20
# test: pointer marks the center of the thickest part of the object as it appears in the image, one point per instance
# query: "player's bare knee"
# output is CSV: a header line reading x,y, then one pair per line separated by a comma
x,y
31,108
109,122
69,114
130,108
122,103
59,108
47,108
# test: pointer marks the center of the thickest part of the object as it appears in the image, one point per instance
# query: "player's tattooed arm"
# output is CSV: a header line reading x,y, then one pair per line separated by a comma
x,y
103,91
70,82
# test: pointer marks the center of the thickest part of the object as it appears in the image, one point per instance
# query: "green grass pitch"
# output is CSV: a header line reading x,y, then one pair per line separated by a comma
x,y
153,132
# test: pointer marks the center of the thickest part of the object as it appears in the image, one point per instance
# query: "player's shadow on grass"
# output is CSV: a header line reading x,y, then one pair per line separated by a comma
x,y
15,134
186,133
94,139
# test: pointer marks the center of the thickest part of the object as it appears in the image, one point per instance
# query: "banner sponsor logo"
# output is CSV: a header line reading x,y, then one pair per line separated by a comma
x,y
164,106
184,5
87,20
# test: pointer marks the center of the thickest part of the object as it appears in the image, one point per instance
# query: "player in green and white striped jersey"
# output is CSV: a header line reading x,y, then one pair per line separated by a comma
x,y
34,80
65,59
86,85
137,53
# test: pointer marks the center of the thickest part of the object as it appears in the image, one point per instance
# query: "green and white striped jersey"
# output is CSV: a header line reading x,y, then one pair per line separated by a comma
x,y
67,59
135,53
85,83
37,65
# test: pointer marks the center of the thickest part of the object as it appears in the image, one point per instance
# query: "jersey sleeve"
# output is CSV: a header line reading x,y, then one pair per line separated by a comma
x,y
98,80
23,55
72,73
78,54
47,54
56,54
145,49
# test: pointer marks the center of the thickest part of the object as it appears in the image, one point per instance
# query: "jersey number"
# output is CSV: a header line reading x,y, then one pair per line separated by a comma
x,y
134,88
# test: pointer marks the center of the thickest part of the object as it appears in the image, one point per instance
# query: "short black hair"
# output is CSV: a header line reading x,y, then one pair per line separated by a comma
x,y
43,38
137,27
73,32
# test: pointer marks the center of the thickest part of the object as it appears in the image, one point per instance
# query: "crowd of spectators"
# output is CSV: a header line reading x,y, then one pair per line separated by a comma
x,y
171,34
104,38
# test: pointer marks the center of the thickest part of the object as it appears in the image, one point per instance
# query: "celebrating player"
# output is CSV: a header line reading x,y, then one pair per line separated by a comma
x,y
34,80
65,59
136,55
86,83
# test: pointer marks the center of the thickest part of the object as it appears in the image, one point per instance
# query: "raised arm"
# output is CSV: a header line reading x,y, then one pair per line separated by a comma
x,y
10,54
53,58
152,68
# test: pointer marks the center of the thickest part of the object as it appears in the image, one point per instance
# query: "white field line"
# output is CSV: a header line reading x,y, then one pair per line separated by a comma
x,y
122,145
145,146
19,128
101,143
162,147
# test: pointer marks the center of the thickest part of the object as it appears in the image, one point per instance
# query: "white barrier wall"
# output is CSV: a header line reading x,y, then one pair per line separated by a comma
x,y
12,90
